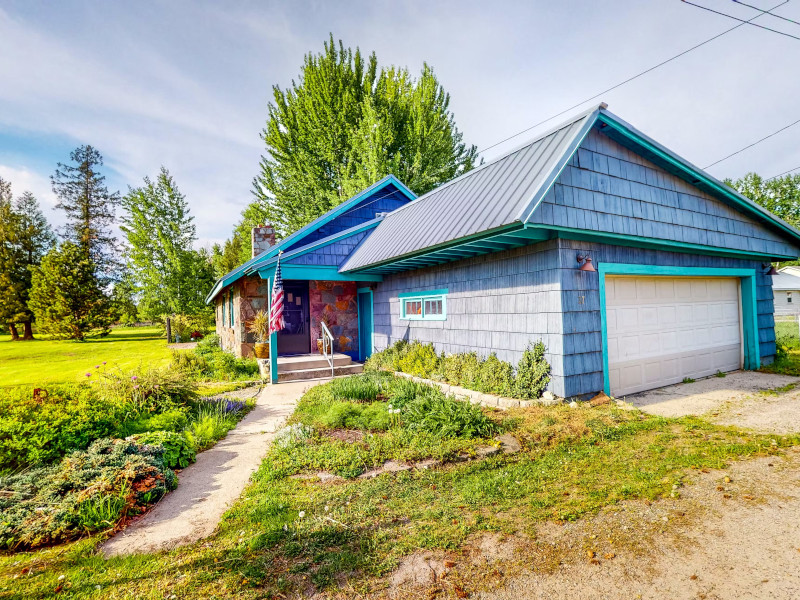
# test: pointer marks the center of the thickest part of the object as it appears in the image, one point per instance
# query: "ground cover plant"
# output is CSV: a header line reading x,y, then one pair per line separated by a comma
x,y
126,348
787,358
290,535
490,374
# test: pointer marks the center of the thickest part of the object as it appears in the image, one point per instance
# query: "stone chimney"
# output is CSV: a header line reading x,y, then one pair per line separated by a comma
x,y
263,239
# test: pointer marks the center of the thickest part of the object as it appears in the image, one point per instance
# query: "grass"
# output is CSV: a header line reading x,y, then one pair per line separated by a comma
x,y
43,361
573,462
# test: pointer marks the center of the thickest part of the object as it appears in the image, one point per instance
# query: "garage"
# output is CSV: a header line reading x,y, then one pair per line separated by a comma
x,y
660,330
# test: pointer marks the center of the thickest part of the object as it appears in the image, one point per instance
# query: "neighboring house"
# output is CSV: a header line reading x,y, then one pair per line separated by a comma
x,y
786,291
496,259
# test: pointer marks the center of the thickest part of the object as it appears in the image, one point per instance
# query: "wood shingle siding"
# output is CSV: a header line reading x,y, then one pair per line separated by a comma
x,y
331,254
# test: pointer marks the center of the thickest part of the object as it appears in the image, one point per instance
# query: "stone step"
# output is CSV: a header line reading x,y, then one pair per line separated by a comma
x,y
311,361
300,374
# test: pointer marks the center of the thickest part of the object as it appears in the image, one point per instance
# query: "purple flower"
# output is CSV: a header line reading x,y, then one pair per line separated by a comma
x,y
134,378
97,366
104,362
136,387
88,374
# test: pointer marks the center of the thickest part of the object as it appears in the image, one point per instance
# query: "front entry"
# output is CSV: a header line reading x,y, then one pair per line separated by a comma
x,y
295,338
365,324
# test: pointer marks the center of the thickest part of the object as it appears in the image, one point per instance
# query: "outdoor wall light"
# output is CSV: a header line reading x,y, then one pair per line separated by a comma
x,y
585,262
772,269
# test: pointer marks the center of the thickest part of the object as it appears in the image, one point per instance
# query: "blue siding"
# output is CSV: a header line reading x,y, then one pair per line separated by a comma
x,y
607,187
331,254
385,199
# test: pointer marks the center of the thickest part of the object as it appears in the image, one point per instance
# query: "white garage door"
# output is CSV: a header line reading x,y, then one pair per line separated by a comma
x,y
663,329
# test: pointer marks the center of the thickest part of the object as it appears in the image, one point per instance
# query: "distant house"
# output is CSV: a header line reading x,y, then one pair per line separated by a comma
x,y
786,291
635,267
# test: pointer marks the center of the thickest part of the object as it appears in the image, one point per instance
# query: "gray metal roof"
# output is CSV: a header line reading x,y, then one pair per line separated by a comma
x,y
491,196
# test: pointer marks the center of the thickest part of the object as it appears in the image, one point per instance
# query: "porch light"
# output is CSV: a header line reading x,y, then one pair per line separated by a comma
x,y
772,269
585,262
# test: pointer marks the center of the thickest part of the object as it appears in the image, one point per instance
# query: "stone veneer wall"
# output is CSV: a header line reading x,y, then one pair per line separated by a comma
x,y
336,303
249,296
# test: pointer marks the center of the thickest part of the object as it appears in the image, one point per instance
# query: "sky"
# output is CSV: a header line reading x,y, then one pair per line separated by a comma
x,y
186,84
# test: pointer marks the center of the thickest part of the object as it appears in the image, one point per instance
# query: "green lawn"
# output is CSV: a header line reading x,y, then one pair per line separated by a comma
x,y
49,361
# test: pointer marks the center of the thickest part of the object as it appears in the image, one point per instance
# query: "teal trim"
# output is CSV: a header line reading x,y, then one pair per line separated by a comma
x,y
250,266
696,174
231,318
621,239
750,343
320,273
422,297
423,294
554,174
366,343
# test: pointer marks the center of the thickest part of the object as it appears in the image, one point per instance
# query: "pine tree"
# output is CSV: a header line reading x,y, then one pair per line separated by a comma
x,y
67,298
90,209
169,275
346,124
10,260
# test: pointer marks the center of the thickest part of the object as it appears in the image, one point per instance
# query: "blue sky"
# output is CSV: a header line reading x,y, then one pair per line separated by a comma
x,y
186,84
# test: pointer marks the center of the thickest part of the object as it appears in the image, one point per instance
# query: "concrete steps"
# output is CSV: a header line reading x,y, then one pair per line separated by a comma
x,y
314,366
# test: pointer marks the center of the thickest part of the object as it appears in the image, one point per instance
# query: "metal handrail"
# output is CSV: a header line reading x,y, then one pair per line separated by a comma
x,y
327,345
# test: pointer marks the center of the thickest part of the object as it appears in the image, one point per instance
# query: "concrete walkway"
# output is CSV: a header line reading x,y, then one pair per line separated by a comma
x,y
209,486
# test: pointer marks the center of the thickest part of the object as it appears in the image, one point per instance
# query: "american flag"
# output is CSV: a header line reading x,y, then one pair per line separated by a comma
x,y
276,310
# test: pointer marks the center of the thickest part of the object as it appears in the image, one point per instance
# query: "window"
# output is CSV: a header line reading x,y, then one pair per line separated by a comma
x,y
424,306
789,297
222,305
230,309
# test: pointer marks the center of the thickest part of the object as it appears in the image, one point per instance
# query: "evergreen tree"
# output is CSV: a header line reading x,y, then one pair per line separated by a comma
x,y
90,209
169,276
345,124
25,237
66,296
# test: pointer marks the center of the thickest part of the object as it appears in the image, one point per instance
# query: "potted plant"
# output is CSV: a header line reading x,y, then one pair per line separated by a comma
x,y
259,326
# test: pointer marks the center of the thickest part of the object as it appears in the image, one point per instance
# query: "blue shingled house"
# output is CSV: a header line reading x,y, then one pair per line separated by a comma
x,y
635,267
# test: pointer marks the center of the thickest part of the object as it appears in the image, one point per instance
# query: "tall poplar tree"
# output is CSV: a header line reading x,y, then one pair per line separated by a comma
x,y
344,124
168,274
90,209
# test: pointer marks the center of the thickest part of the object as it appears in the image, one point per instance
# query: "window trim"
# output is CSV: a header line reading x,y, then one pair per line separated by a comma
x,y
422,297
230,311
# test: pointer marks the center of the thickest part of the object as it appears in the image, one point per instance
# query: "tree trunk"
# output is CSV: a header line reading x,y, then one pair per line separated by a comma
x,y
28,335
14,332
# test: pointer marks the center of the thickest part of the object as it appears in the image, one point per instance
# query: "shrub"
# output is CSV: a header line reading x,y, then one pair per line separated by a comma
x,y
149,390
211,421
174,419
85,492
496,376
347,415
388,359
533,372
177,451
190,363
70,417
447,417
209,361
364,388
419,360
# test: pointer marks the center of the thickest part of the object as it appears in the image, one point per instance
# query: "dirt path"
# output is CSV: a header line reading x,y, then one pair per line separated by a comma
x,y
208,487
721,540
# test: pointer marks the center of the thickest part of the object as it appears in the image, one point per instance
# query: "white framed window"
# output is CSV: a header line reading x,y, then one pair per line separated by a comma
x,y
424,306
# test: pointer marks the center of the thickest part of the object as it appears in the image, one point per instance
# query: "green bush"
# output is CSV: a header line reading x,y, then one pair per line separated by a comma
x,y
70,417
388,359
152,389
419,360
211,421
209,361
533,372
85,492
174,419
348,415
496,376
364,388
178,453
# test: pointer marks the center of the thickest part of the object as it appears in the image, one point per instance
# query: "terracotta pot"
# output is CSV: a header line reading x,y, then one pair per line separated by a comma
x,y
261,349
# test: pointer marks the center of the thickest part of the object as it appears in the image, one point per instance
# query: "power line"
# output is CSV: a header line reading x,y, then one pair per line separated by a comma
x,y
754,143
761,10
742,21
782,174
629,79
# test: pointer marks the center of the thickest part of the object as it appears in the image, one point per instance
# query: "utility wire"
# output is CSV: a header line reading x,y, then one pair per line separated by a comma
x,y
762,11
742,21
782,174
766,137
629,79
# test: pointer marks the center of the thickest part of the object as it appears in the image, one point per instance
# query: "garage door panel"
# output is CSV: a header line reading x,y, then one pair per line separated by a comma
x,y
660,330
